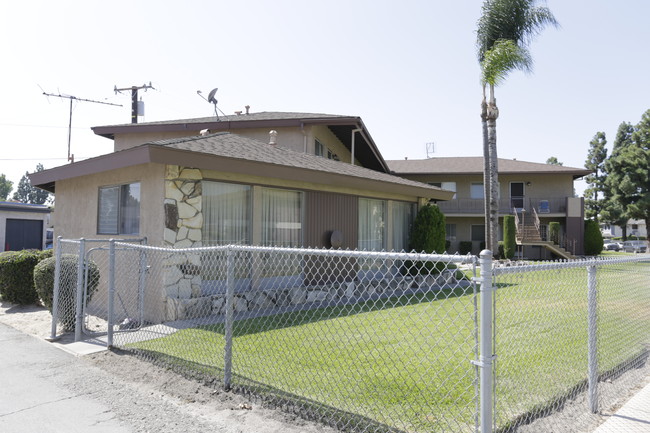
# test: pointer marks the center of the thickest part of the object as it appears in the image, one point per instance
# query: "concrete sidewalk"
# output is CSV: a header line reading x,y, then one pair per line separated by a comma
x,y
633,417
33,397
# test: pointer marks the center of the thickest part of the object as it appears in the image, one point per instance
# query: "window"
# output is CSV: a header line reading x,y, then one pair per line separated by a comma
x,y
371,224
226,213
476,190
478,233
450,230
119,210
403,216
322,150
449,186
281,218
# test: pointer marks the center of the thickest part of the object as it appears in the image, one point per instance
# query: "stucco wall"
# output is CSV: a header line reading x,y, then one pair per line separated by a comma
x,y
543,186
77,202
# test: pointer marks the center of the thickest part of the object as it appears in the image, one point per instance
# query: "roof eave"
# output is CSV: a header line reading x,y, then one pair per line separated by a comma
x,y
148,153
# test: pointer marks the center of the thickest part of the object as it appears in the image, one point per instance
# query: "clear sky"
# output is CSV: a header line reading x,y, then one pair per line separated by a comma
x,y
407,68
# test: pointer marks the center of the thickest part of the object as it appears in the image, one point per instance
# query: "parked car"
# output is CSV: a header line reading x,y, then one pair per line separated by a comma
x,y
611,246
635,246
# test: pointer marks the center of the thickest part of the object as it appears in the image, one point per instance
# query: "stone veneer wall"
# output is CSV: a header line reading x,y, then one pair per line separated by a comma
x,y
183,229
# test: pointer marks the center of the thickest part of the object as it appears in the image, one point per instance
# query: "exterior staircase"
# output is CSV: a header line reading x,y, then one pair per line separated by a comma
x,y
528,233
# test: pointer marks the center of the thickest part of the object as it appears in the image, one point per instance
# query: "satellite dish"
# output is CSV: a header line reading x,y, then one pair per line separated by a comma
x,y
211,97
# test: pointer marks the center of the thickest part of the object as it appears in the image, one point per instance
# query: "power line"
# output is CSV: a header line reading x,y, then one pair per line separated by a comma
x,y
74,98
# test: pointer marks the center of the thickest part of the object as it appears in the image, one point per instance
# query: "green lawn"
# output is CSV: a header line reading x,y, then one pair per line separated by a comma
x,y
405,363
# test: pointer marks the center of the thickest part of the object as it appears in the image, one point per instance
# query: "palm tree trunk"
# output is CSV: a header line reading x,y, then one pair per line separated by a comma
x,y
492,115
486,170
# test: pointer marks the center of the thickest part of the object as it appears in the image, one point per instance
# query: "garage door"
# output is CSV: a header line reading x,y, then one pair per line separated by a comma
x,y
23,234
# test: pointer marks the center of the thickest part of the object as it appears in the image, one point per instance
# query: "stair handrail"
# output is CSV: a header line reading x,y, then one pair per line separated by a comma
x,y
514,209
537,224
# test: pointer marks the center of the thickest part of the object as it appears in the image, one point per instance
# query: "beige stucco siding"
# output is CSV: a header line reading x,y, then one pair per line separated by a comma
x,y
541,185
77,201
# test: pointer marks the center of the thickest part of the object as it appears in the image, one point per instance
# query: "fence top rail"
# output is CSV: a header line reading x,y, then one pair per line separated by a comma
x,y
569,264
450,258
77,241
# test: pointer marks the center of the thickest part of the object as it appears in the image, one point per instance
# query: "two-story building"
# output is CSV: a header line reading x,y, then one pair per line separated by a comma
x,y
536,194
270,179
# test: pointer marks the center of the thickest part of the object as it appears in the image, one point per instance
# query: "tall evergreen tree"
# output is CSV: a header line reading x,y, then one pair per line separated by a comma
x,y
596,180
26,193
553,161
640,170
5,187
619,187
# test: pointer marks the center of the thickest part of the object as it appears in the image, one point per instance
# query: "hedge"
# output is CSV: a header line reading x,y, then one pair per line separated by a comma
x,y
44,282
16,275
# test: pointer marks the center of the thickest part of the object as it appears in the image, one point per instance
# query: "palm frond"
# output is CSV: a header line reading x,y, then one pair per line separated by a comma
x,y
517,20
503,57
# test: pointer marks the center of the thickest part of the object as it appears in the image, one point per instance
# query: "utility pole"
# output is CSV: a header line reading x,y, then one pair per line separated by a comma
x,y
71,98
134,98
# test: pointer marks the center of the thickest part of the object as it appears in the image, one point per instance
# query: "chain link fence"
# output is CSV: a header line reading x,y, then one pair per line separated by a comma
x,y
377,341
570,338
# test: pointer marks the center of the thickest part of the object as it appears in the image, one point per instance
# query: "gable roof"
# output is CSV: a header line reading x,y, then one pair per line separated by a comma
x,y
474,165
228,152
341,126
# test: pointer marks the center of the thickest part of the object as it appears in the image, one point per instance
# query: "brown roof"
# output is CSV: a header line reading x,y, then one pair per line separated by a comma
x,y
366,150
224,151
474,165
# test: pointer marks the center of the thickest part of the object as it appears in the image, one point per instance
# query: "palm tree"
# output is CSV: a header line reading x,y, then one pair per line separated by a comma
x,y
505,30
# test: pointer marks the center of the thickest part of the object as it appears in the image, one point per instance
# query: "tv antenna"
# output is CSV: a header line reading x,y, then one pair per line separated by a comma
x,y
135,109
431,149
74,98
212,100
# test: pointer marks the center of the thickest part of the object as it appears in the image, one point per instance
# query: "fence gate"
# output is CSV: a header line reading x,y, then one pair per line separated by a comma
x,y
128,294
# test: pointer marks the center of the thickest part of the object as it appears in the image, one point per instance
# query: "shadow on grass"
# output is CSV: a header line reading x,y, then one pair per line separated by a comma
x,y
260,324
267,395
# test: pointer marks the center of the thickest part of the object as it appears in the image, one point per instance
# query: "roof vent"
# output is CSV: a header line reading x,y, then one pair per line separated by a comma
x,y
238,113
273,135
247,107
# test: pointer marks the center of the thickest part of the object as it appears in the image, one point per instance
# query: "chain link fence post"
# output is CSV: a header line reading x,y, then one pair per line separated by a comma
x,y
57,285
111,292
486,355
230,313
592,339
80,290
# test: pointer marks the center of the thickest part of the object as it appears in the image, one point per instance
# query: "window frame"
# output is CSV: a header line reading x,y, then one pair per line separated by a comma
x,y
119,220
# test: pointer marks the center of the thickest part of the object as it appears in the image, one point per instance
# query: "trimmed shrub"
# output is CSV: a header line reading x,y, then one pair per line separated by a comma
x,y
44,282
465,247
427,235
554,232
16,270
593,238
509,237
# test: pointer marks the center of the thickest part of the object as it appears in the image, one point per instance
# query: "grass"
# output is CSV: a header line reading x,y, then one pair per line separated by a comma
x,y
404,363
